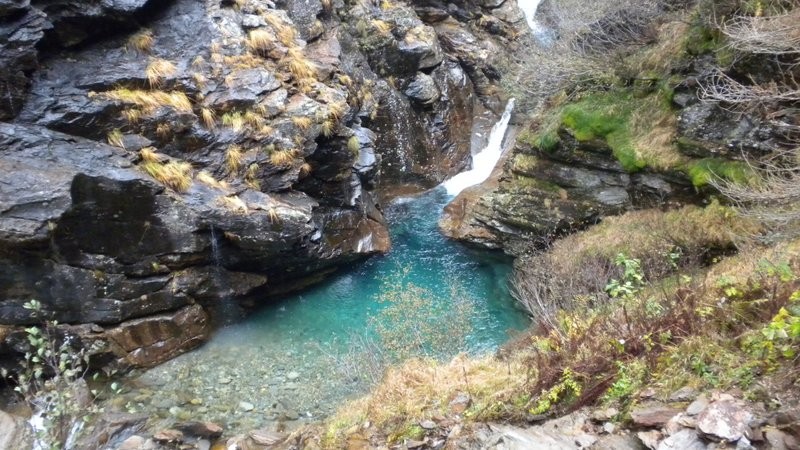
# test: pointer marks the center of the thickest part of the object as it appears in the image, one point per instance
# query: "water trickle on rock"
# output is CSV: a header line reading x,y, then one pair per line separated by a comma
x,y
484,161
298,357
541,33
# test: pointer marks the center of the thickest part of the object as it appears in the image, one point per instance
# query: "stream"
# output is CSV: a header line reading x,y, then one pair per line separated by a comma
x,y
298,358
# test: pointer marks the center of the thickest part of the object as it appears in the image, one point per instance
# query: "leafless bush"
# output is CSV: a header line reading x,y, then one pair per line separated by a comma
x,y
362,362
775,199
720,87
577,42
543,290
772,35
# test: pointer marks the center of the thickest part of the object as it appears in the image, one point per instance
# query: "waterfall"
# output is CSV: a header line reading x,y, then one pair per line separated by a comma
x,y
215,255
227,311
541,33
529,8
484,161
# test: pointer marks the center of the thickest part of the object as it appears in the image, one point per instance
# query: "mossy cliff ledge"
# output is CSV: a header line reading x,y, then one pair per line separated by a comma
x,y
165,160
638,138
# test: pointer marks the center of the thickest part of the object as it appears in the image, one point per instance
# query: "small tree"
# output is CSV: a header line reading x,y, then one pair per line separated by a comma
x,y
51,383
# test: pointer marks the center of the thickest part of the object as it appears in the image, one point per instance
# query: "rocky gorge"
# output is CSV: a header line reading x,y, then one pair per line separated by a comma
x,y
172,167
163,159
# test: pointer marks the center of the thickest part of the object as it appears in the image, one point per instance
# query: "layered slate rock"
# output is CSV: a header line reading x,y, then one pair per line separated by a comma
x,y
284,119
96,240
536,195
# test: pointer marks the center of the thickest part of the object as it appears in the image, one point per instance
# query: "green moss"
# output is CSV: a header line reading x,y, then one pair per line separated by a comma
x,y
703,171
548,141
605,116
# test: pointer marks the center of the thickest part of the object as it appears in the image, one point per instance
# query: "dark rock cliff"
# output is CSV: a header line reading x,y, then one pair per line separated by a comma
x,y
165,160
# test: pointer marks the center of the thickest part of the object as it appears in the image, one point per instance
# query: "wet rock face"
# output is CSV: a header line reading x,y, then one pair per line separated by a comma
x,y
171,158
96,240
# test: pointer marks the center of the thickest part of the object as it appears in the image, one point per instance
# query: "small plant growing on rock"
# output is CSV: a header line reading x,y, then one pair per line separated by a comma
x,y
141,42
176,175
149,100
301,122
305,170
209,118
233,203
158,70
281,158
207,179
251,176
115,138
328,127
303,70
260,41
354,145
51,382
233,158
286,32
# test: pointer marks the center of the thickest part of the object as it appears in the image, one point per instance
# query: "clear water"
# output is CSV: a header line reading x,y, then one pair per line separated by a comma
x,y
289,360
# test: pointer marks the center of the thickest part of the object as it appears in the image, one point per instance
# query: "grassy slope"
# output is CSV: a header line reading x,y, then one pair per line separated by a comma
x,y
697,309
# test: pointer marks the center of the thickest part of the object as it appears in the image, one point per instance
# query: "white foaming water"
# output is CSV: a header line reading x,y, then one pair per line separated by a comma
x,y
529,8
484,161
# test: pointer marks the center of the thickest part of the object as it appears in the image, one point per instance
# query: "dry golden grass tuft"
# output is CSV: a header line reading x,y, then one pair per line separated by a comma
x,y
209,180
337,110
272,214
327,6
654,130
251,176
286,32
133,115
150,100
234,120
382,27
421,389
301,122
208,117
345,80
142,41
668,49
176,175
328,127
354,145
254,119
200,81
163,130
303,70
282,158
243,62
232,203
305,170
233,158
148,154
115,138
158,70
260,41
